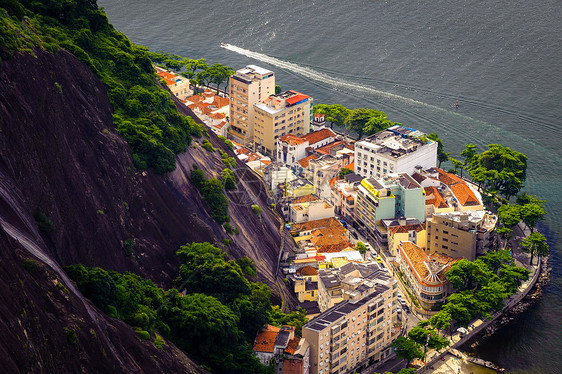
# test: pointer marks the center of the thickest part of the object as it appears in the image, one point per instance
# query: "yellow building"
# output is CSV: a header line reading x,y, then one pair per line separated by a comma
x,y
248,86
306,284
406,233
278,115
461,234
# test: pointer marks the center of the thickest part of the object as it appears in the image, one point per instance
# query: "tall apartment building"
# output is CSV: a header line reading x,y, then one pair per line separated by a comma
x,y
461,234
278,115
394,150
396,195
356,332
248,86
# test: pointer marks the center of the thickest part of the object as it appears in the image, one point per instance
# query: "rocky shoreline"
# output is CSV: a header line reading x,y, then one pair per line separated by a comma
x,y
512,314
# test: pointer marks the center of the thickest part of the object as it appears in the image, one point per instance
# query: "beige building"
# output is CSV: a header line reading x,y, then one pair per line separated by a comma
x,y
306,284
425,274
278,115
248,86
461,234
356,332
310,211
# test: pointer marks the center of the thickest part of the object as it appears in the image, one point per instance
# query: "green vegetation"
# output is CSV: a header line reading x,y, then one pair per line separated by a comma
x,y
228,143
228,179
215,322
344,171
407,349
535,244
71,336
256,209
208,146
441,155
361,247
278,89
45,224
30,266
213,194
247,265
144,114
361,120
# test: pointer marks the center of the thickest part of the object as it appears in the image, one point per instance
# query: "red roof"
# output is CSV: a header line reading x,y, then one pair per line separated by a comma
x,y
293,344
307,270
292,139
298,97
317,136
304,162
265,339
435,197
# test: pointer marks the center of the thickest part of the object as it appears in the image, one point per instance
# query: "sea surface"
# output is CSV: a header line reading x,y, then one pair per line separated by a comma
x,y
411,59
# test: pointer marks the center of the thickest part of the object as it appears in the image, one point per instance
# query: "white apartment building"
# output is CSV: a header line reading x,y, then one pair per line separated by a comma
x,y
394,150
248,86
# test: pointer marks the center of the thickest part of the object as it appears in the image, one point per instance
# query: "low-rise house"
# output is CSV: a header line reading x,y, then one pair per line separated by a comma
x,y
178,85
296,187
425,274
310,211
306,284
277,174
357,331
344,195
415,233
462,234
285,204
212,109
382,233
277,345
306,228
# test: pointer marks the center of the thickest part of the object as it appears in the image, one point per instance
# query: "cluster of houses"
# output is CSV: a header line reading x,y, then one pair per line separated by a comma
x,y
415,219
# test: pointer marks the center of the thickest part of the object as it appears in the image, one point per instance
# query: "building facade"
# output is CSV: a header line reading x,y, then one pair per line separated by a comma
x,y
461,234
278,115
425,274
248,86
356,332
394,150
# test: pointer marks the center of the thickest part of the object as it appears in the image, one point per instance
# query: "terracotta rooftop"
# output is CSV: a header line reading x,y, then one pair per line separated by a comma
x,y
350,166
448,178
429,270
307,270
304,162
333,181
465,196
404,229
327,149
292,139
265,339
330,248
217,115
293,344
434,197
317,136
316,224
305,199
298,97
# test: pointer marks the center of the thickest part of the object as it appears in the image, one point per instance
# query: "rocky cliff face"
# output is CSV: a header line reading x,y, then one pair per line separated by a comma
x,y
60,156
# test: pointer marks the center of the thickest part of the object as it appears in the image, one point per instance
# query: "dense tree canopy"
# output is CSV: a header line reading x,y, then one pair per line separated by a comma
x,y
499,169
535,244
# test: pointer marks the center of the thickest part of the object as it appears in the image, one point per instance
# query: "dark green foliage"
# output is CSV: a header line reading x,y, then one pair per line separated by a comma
x,y
71,336
129,244
535,244
228,227
227,142
295,318
30,266
213,194
367,121
509,214
344,172
499,170
228,179
217,334
208,146
361,247
144,114
45,224
256,209
96,284
247,265
278,89
407,349
441,155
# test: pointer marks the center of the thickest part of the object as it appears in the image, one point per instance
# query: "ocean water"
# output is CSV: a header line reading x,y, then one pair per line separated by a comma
x,y
411,59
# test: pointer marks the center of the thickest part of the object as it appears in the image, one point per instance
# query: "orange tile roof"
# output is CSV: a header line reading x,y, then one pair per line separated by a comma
x,y
420,263
406,228
349,198
304,162
350,166
307,270
317,136
305,199
293,344
333,181
195,98
330,231
464,195
217,115
434,198
292,139
298,97
448,178
316,224
220,101
325,150
265,339
331,248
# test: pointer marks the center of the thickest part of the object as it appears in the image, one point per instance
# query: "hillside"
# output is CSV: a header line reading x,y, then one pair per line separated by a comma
x,y
60,156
